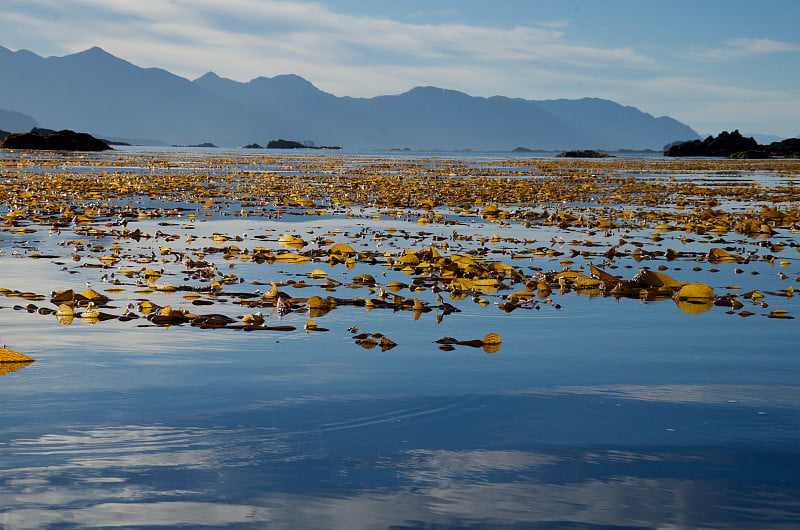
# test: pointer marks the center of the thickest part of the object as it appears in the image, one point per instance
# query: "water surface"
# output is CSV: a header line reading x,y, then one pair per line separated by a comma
x,y
601,413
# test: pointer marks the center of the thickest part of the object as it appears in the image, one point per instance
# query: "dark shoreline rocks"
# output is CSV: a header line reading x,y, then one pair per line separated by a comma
x,y
291,144
584,153
65,140
789,148
734,145
749,154
725,144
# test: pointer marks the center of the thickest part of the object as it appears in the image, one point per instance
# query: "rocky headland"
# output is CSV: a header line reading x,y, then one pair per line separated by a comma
x,y
734,145
584,153
291,144
65,140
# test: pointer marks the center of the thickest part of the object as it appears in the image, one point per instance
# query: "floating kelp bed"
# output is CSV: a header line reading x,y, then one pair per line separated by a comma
x,y
163,236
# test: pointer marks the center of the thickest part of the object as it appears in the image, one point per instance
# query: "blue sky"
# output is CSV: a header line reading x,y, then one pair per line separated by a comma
x,y
715,65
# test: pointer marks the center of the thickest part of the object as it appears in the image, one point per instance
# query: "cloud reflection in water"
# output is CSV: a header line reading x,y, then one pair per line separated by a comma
x,y
337,473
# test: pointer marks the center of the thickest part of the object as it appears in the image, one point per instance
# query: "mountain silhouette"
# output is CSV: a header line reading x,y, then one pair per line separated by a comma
x,y
96,92
11,121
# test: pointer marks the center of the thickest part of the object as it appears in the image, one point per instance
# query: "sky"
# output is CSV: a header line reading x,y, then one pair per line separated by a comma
x,y
712,64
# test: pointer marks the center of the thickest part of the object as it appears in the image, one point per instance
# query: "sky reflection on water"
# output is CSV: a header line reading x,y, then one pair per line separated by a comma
x,y
554,456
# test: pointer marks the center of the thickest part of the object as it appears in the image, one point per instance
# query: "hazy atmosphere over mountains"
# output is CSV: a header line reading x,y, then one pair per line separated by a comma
x,y
96,92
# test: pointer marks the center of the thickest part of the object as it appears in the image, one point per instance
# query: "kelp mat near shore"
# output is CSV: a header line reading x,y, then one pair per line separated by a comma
x,y
160,239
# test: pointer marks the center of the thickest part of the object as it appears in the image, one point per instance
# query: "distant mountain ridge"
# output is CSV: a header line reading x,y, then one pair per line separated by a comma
x,y
12,121
96,92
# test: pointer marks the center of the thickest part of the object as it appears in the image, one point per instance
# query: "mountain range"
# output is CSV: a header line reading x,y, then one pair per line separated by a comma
x,y
11,121
94,91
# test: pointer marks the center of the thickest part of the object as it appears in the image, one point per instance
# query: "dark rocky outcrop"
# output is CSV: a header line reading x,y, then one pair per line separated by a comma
x,y
65,140
253,146
3,134
291,144
789,148
725,144
751,154
734,145
284,144
584,153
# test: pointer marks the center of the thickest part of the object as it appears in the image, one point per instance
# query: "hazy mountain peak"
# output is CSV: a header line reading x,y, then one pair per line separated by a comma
x,y
94,54
21,54
12,121
208,76
292,78
95,51
436,93
290,81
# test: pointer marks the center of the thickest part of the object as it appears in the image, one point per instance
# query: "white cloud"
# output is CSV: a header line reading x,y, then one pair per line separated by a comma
x,y
763,46
743,48
245,38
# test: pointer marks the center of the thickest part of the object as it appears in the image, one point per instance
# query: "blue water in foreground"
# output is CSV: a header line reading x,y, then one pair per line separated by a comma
x,y
615,423
604,414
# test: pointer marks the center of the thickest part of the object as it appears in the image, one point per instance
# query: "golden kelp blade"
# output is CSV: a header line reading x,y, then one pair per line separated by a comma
x,y
318,273
718,254
11,361
491,343
341,248
602,275
289,257
648,278
694,298
91,294
695,291
492,338
10,356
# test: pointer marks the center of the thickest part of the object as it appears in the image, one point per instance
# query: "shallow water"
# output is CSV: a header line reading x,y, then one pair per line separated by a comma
x,y
602,413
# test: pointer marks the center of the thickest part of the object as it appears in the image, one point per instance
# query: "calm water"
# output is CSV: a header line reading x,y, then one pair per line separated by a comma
x,y
602,413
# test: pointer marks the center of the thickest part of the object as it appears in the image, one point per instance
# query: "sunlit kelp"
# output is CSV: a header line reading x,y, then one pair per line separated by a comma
x,y
11,361
421,238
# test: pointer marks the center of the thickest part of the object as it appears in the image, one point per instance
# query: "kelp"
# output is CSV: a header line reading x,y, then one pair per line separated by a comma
x,y
583,223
